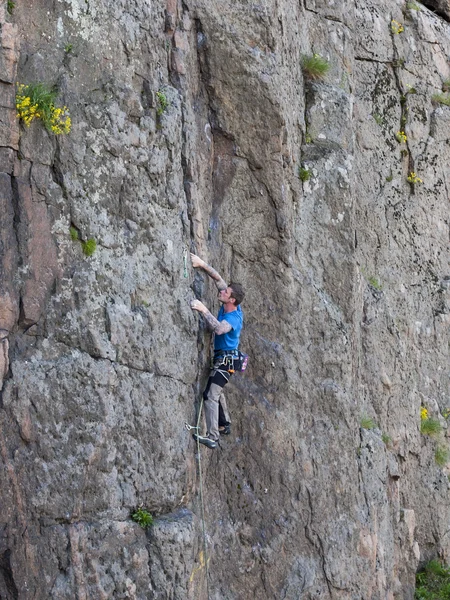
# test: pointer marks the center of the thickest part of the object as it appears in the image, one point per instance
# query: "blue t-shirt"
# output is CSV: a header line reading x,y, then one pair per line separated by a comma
x,y
230,340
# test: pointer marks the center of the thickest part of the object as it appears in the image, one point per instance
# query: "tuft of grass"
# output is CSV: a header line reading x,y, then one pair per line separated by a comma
x,y
446,85
441,99
315,67
304,174
68,48
433,582
367,423
390,177
386,438
412,6
430,427
10,6
142,517
73,234
375,283
89,247
162,103
442,455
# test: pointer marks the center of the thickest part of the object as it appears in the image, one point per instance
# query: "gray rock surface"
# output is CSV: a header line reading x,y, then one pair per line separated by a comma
x,y
347,306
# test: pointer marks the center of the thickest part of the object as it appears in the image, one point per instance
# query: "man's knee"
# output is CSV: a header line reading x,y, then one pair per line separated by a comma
x,y
212,392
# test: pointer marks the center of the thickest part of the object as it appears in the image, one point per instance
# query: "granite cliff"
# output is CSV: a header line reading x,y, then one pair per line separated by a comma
x,y
195,127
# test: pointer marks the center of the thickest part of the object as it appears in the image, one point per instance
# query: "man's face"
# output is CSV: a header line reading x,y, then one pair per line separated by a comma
x,y
225,295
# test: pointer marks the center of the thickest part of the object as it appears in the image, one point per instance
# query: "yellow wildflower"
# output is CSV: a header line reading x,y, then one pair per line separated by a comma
x,y
413,178
423,413
396,27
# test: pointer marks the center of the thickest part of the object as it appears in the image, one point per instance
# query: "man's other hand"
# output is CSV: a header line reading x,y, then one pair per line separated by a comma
x,y
196,261
197,305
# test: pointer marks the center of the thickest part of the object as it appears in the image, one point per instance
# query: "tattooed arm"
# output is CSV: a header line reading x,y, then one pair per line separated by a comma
x,y
199,263
219,327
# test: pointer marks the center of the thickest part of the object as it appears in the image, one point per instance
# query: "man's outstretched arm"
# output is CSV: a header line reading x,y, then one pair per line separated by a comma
x,y
197,262
219,327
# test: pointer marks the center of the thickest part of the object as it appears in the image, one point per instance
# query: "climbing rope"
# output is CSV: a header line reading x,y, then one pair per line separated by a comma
x,y
202,504
201,500
197,429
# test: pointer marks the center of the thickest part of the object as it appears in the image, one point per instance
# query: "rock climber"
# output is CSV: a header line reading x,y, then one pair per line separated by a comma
x,y
227,329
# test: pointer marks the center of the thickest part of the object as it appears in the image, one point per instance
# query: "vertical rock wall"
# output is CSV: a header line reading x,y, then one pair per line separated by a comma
x,y
347,310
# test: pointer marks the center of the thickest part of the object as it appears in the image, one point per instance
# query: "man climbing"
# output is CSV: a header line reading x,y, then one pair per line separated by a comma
x,y
227,329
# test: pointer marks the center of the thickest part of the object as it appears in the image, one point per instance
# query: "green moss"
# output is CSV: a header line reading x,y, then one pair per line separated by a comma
x,y
73,234
315,67
89,247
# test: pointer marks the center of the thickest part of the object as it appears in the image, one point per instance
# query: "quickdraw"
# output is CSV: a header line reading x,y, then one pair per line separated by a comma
x,y
189,427
185,257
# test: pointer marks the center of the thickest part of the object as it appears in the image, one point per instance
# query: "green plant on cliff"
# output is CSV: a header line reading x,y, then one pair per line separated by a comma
x,y
412,6
414,178
304,174
73,234
375,283
142,517
442,455
10,6
89,246
367,423
386,438
161,103
441,99
37,101
315,67
433,582
430,426
396,27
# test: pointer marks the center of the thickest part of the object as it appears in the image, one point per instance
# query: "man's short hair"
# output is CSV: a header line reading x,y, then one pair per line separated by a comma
x,y
237,293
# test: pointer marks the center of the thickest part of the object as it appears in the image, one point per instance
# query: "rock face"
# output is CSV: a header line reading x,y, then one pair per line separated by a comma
x,y
296,187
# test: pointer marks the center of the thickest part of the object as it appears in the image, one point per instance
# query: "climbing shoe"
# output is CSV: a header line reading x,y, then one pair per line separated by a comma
x,y
204,440
225,430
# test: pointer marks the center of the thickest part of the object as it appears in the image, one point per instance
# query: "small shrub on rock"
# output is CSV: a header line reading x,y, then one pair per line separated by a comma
x,y
433,582
37,101
142,517
315,67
